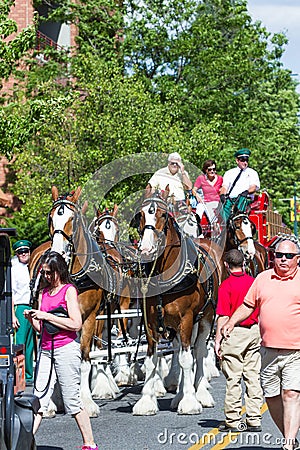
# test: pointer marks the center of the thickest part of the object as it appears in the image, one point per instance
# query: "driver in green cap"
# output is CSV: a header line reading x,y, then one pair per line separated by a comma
x,y
21,300
239,183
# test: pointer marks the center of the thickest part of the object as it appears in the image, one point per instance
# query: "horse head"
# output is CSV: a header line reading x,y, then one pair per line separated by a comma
x,y
241,231
61,221
153,219
190,224
106,227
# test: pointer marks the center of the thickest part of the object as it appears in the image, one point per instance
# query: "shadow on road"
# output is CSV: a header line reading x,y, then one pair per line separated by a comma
x,y
48,447
209,423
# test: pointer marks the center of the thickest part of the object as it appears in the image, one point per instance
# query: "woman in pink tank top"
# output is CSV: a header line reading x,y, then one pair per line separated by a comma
x,y
60,352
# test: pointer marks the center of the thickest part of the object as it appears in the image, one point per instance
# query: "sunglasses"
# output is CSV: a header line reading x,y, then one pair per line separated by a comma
x,y
211,169
287,255
46,272
23,252
173,164
243,159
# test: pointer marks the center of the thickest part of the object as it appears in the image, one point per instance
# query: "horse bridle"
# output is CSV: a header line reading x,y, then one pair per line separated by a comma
x,y
232,221
61,203
99,220
163,205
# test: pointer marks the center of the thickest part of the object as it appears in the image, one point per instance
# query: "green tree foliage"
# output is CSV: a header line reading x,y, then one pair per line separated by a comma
x,y
12,49
195,77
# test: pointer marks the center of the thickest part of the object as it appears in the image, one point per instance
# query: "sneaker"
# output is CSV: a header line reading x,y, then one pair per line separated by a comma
x,y
88,447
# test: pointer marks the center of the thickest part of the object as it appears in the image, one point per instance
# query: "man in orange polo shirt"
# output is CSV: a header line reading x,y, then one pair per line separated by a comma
x,y
276,292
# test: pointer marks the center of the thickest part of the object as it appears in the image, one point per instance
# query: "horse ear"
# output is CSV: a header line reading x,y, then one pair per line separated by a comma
x,y
148,190
253,228
77,194
96,211
84,207
166,192
54,191
115,210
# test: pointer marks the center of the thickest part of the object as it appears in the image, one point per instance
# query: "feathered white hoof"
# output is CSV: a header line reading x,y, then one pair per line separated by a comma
x,y
146,406
105,386
203,395
91,407
189,405
158,386
51,411
122,377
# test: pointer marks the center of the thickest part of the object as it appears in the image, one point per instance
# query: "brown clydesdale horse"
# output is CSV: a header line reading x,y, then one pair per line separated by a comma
x,y
70,238
240,234
179,289
121,258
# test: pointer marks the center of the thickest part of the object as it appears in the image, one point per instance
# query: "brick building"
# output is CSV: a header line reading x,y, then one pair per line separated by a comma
x,y
54,34
57,34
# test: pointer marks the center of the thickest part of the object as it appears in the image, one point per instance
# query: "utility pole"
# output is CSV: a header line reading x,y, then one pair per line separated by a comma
x,y
295,210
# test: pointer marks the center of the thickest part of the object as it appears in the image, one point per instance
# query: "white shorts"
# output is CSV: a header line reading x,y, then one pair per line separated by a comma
x,y
66,370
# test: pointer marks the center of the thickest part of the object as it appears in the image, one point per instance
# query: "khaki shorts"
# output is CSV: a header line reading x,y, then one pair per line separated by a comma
x,y
279,370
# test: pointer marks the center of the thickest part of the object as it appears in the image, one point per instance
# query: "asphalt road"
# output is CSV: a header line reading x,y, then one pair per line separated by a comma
x,y
117,429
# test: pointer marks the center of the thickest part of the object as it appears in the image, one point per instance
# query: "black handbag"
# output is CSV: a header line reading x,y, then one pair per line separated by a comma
x,y
50,327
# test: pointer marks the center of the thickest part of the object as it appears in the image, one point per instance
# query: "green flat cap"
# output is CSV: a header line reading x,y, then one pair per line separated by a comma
x,y
21,244
242,152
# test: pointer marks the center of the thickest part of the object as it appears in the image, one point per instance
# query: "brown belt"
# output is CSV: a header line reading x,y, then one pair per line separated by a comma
x,y
246,326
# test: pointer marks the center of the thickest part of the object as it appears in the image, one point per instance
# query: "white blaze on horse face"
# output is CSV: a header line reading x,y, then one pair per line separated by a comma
x,y
247,230
189,226
109,230
147,244
61,216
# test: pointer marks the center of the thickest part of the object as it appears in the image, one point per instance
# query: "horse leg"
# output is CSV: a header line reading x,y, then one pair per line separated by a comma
x,y
86,339
147,404
104,386
185,400
56,403
125,375
200,353
171,381
210,367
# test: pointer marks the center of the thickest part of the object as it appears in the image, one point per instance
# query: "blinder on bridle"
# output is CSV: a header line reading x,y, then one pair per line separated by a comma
x,y
107,218
232,222
162,204
61,203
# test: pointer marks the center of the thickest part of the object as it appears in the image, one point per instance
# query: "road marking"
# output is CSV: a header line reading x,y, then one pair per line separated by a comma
x,y
210,435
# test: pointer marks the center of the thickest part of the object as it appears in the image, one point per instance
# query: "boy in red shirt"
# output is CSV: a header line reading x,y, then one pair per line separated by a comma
x,y
239,355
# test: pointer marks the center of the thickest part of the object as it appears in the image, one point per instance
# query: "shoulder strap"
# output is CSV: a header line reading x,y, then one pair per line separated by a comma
x,y
235,181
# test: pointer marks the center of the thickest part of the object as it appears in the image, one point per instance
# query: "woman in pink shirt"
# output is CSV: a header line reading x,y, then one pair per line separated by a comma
x,y
206,190
60,356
